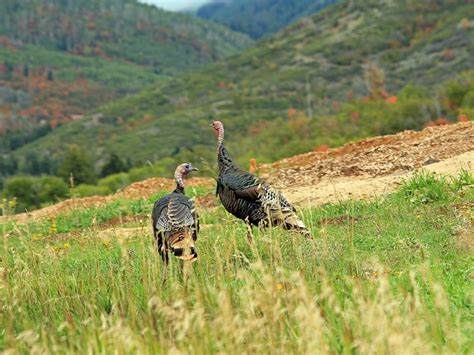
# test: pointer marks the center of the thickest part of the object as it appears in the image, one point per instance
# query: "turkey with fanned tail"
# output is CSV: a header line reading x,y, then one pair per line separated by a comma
x,y
249,198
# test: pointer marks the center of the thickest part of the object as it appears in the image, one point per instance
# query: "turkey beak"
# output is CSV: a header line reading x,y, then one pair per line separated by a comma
x,y
194,169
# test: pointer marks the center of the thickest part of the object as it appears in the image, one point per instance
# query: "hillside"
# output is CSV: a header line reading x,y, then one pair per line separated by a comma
x,y
60,59
122,30
259,17
326,79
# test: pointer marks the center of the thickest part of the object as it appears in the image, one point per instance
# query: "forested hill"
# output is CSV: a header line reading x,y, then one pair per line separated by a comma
x,y
119,30
62,58
260,17
350,71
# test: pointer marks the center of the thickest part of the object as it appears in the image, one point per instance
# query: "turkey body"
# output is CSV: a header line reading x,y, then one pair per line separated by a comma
x,y
175,226
252,200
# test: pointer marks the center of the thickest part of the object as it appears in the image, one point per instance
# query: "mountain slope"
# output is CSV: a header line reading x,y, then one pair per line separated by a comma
x,y
260,17
59,59
284,95
120,30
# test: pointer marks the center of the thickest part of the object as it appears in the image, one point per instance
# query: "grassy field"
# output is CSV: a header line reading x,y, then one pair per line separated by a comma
x,y
387,276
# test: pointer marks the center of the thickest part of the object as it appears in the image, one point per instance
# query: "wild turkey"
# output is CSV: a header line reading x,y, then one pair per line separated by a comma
x,y
175,222
249,198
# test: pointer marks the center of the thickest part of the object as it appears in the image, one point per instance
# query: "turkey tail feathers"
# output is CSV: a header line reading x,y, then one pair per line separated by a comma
x,y
182,245
293,223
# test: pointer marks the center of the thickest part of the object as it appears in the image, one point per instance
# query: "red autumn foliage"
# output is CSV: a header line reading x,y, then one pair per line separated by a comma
x,y
437,122
147,118
322,148
253,165
7,42
258,127
292,112
222,85
463,118
355,117
391,100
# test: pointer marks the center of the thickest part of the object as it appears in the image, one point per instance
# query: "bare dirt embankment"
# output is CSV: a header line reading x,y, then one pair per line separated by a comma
x,y
374,166
360,170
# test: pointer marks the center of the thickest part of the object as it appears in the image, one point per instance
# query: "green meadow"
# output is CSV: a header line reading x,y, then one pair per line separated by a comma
x,y
393,275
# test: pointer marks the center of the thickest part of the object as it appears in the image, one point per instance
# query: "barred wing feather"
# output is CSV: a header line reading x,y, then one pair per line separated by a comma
x,y
174,211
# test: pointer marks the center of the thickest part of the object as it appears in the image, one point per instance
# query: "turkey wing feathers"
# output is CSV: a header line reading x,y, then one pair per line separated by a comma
x,y
172,211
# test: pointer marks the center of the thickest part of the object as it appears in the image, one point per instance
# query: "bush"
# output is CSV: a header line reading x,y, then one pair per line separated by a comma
x,y
140,173
115,182
468,100
85,190
51,188
31,192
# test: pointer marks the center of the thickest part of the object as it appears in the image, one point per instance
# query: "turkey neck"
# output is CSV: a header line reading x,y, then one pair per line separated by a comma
x,y
179,183
223,158
179,189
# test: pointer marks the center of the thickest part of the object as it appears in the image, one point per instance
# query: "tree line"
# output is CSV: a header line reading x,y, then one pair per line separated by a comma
x,y
39,179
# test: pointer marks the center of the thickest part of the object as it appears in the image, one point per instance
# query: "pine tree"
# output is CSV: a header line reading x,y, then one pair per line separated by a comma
x,y
77,163
113,166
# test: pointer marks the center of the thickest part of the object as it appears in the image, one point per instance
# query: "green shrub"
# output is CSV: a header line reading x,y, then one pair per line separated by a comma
x,y
51,188
468,100
31,192
115,182
85,190
140,173
464,180
426,187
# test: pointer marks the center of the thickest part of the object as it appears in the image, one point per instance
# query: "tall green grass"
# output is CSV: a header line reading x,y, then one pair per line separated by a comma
x,y
388,276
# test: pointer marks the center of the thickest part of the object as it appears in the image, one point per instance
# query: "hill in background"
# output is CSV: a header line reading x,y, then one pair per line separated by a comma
x,y
326,79
60,59
259,17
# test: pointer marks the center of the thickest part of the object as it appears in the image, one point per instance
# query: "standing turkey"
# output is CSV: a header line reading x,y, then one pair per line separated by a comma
x,y
249,198
175,222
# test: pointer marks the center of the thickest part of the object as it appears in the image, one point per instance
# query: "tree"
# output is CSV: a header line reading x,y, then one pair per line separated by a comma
x,y
26,70
32,164
113,166
375,81
78,164
8,165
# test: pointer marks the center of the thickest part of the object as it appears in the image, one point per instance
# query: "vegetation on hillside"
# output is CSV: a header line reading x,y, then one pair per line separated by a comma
x,y
119,29
259,17
390,275
61,59
342,60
